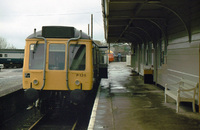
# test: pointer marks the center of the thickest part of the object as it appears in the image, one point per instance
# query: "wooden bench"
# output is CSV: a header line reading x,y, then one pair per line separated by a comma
x,y
182,91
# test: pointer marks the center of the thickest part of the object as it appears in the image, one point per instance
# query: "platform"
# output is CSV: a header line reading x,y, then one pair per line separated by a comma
x,y
10,81
124,102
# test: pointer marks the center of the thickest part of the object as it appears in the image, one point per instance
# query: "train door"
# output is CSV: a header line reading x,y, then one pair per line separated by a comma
x,y
33,65
56,70
80,66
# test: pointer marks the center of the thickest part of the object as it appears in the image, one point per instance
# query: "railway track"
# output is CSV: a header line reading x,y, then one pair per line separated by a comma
x,y
55,121
32,126
74,126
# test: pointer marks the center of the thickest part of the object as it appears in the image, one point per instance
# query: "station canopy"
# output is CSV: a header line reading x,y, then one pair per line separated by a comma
x,y
140,21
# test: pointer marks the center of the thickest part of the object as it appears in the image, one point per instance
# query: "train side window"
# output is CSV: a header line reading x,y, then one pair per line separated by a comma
x,y
5,55
1,55
36,56
77,57
56,56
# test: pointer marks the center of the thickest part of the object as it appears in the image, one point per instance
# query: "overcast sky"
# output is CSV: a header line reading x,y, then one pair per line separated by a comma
x,y
18,18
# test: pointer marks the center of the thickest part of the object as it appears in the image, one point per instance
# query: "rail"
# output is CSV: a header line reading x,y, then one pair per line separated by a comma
x,y
41,123
32,126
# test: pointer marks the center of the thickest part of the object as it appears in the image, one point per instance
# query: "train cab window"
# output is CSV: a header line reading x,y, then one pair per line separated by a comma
x,y
57,57
36,56
77,57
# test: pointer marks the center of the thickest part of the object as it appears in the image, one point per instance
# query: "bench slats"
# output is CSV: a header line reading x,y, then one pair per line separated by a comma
x,y
172,94
182,91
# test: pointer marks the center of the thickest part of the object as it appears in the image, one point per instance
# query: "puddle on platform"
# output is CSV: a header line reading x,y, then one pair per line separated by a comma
x,y
119,89
139,94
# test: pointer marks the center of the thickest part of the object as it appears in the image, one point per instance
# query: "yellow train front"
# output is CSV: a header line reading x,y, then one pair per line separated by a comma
x,y
61,64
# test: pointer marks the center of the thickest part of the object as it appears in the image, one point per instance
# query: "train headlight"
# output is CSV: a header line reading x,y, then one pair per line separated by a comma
x,y
35,82
77,82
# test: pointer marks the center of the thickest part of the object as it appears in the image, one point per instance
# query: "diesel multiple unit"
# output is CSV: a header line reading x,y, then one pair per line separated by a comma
x,y
61,64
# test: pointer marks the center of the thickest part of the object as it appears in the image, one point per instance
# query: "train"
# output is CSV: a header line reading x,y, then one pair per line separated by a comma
x,y
61,66
111,56
12,58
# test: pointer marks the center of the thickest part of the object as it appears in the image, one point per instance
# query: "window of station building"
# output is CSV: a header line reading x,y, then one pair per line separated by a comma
x,y
56,57
163,53
36,56
77,57
146,55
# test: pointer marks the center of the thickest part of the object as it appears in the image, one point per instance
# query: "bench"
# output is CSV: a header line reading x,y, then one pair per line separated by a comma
x,y
182,91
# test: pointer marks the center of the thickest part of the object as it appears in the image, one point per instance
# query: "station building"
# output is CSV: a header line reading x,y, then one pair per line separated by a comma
x,y
164,36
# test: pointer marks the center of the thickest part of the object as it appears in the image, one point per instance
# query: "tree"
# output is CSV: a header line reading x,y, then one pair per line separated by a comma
x,y
5,45
11,47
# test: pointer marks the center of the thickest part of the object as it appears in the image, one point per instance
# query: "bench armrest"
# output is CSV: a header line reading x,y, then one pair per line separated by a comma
x,y
191,89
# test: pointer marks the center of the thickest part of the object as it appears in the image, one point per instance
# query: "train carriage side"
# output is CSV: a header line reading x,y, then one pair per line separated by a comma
x,y
11,57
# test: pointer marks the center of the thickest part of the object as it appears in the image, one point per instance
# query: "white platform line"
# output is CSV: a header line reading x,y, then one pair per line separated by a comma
x,y
94,110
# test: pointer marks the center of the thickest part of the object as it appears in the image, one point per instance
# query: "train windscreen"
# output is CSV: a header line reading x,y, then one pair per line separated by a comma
x,y
36,56
77,57
56,56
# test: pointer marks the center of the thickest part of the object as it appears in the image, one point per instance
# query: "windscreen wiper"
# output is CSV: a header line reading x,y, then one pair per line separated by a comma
x,y
34,49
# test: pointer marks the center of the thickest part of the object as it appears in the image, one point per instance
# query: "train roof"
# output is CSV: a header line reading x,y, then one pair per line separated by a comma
x,y
58,32
11,50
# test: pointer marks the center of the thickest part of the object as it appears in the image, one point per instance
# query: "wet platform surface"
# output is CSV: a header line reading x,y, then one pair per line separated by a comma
x,y
10,81
126,103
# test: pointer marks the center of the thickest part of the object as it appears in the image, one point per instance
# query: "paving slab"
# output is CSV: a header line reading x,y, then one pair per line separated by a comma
x,y
10,81
126,103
